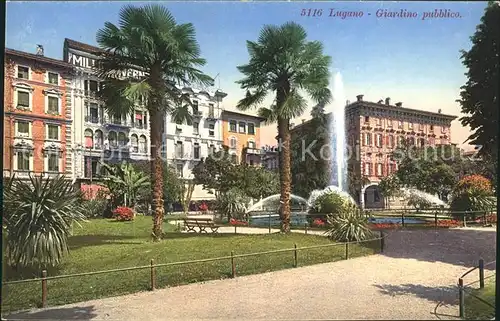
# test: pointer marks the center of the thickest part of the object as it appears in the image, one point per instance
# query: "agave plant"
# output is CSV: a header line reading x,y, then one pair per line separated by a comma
x,y
232,203
39,216
125,182
348,225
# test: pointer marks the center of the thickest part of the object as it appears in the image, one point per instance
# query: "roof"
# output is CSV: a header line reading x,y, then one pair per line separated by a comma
x,y
397,108
43,59
244,115
81,46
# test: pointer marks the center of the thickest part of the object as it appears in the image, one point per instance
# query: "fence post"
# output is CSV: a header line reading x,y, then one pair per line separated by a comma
x,y
305,228
233,266
481,273
461,298
435,218
153,275
465,219
295,261
44,289
403,218
347,251
234,229
382,241
269,222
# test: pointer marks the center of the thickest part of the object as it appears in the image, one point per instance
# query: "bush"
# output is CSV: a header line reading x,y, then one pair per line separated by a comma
x,y
123,213
38,215
95,207
329,203
350,224
472,193
419,202
232,203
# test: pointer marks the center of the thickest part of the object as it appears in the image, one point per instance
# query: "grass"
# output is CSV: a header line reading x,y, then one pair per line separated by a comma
x,y
105,244
477,310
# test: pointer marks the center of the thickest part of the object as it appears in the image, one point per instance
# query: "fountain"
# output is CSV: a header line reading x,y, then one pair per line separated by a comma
x,y
266,211
337,135
329,189
433,199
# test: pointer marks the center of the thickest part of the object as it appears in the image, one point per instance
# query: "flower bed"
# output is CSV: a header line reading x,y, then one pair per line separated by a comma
x,y
122,213
236,222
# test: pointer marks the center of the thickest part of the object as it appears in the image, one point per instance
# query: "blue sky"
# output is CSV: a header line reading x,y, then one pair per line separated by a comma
x,y
408,59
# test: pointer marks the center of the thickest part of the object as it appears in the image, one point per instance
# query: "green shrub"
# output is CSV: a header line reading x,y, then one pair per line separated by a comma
x,y
95,207
232,203
329,203
350,224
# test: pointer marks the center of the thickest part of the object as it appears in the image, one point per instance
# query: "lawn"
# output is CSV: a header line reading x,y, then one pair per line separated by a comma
x,y
477,310
106,244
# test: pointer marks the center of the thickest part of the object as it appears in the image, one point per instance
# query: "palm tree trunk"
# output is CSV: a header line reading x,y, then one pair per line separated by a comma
x,y
156,174
285,173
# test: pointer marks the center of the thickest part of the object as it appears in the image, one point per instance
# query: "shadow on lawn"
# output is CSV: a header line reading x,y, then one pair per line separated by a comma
x,y
79,241
461,247
75,313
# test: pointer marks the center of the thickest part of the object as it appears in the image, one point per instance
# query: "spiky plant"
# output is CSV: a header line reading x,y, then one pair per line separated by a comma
x,y
40,214
350,224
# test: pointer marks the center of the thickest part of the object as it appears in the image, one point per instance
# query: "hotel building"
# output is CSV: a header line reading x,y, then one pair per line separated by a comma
x,y
38,109
186,144
96,135
241,133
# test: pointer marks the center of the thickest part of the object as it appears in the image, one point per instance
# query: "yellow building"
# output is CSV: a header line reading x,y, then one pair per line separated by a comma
x,y
241,133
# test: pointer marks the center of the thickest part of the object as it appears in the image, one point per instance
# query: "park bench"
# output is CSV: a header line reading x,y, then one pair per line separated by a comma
x,y
201,223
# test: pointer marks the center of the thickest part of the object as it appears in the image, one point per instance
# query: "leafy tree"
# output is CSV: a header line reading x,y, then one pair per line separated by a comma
x,y
149,39
473,193
256,182
480,95
283,62
310,172
355,183
390,186
124,182
38,215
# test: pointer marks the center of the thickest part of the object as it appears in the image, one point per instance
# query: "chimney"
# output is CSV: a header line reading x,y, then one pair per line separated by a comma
x,y
439,111
303,120
380,101
39,50
359,97
399,104
388,101
347,102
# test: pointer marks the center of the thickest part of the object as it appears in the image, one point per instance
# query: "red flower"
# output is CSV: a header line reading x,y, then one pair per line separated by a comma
x,y
235,222
318,222
203,207
122,213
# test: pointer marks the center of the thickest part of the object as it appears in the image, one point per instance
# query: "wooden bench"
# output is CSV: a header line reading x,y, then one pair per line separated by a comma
x,y
201,223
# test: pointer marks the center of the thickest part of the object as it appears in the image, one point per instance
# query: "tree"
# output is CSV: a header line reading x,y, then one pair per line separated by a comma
x,y
479,96
390,186
125,183
149,39
256,182
310,172
283,62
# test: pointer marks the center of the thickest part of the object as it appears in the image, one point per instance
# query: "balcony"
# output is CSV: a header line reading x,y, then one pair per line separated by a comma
x,y
93,119
254,151
140,125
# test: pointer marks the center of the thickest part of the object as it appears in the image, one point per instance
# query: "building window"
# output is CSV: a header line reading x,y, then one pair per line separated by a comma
x,y
211,113
53,78
211,130
195,107
232,142
443,129
143,146
368,139
421,142
23,161
211,149
379,140
112,139
196,129
23,72
251,129
22,128
179,150
432,128
367,169
53,132
242,127
122,139
400,124
98,139
367,119
89,138
410,125
401,141
389,123
180,168
23,99
421,127
134,142
232,125
196,151
53,162
92,166
379,169
391,141
251,162
91,87
53,105
379,121
251,144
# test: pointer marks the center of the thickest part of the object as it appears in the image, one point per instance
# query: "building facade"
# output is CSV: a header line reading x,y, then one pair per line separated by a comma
x,y
270,157
186,144
38,109
98,137
375,130
241,133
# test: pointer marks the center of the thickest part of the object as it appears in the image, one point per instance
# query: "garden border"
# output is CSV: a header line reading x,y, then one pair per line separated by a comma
x,y
152,266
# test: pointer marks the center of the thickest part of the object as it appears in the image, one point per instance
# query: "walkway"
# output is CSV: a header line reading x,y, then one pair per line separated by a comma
x,y
418,270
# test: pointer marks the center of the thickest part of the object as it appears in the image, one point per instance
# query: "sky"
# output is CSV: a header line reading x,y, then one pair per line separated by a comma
x,y
412,60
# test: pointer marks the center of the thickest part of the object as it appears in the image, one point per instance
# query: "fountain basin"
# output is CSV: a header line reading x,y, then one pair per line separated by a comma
x,y
395,220
272,218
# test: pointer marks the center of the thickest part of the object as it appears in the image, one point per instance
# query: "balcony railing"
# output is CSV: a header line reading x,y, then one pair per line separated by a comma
x,y
93,119
139,125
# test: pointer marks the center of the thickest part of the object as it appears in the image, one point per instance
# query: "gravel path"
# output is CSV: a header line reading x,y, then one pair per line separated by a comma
x,y
414,278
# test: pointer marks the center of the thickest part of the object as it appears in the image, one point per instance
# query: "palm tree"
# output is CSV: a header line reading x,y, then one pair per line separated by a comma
x,y
284,63
123,180
148,39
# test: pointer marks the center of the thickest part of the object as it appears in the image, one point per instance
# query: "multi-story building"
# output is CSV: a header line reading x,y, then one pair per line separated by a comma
x,y
241,133
38,109
186,144
96,135
374,130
